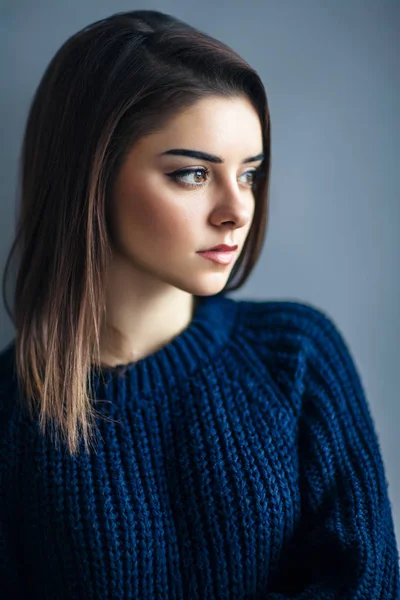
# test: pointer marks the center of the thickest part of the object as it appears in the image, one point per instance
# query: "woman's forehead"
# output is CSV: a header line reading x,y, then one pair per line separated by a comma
x,y
222,127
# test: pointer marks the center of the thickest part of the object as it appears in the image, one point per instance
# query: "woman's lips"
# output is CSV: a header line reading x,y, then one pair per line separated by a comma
x,y
219,256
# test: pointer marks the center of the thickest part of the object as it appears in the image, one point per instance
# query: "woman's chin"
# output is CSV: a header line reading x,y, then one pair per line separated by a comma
x,y
208,286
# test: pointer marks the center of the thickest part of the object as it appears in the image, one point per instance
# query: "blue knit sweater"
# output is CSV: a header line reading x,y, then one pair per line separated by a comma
x,y
240,461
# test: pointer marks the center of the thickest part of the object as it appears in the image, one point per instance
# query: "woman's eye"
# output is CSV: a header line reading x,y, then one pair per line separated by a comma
x,y
191,177
252,178
197,176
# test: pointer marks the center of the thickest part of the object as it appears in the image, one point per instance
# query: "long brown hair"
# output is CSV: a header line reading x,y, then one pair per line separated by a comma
x,y
109,84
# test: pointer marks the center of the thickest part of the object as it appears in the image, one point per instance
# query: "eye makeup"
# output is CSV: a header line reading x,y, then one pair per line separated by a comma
x,y
179,175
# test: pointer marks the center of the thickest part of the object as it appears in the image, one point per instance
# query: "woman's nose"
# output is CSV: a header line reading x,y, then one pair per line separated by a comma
x,y
233,206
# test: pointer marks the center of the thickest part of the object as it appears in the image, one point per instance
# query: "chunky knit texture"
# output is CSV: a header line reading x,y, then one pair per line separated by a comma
x,y
241,462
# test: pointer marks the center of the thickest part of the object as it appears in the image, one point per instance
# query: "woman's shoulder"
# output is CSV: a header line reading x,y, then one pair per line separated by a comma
x,y
294,335
7,367
9,408
7,356
285,321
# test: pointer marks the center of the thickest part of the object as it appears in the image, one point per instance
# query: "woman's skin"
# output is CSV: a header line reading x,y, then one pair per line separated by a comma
x,y
158,224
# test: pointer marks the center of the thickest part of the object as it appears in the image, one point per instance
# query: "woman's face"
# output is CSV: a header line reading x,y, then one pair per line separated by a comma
x,y
162,218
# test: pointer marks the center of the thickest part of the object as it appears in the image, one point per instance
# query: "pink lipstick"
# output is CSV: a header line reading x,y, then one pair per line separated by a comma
x,y
222,254
223,258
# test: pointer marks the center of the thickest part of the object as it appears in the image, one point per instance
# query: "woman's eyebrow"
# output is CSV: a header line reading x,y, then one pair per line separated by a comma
x,y
206,156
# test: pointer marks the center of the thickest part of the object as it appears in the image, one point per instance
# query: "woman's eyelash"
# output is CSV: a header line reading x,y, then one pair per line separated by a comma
x,y
179,174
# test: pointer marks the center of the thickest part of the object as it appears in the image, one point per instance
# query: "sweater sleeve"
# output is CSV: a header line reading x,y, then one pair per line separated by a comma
x,y
12,575
345,546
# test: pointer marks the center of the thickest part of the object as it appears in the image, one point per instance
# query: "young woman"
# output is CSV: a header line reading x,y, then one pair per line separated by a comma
x,y
157,438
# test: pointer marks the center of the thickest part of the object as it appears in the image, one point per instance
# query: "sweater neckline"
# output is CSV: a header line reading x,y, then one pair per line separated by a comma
x,y
210,328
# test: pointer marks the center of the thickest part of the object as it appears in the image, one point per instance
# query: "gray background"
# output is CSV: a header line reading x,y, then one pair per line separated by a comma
x,y
333,86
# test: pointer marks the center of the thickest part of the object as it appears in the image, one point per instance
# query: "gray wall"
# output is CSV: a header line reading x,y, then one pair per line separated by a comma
x,y
333,86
